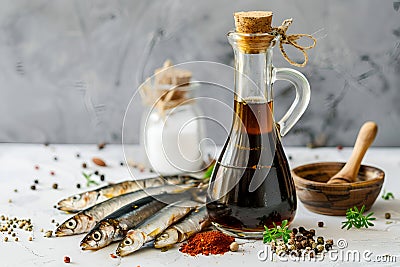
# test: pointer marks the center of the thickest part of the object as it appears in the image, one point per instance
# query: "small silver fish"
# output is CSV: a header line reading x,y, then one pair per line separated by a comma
x,y
153,226
83,221
115,226
193,223
89,198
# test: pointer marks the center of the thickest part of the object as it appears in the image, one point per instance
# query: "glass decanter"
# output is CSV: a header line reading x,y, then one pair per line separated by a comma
x,y
251,185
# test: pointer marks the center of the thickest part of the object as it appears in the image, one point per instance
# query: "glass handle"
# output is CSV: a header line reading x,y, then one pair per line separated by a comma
x,y
301,101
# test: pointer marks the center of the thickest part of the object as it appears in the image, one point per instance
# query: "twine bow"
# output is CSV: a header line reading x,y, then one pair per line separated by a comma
x,y
292,40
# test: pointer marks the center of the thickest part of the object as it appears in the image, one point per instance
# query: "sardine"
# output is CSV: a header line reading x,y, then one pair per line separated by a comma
x,y
193,223
115,226
87,199
153,226
85,220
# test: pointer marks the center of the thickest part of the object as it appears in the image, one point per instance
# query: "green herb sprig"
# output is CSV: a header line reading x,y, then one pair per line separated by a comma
x,y
272,234
208,172
89,181
388,195
356,218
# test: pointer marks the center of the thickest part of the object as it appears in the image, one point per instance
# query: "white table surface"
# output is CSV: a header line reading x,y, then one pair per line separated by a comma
x,y
17,171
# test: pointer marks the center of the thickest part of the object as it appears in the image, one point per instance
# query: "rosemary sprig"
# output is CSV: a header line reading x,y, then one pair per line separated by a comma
x,y
272,234
356,218
388,195
89,181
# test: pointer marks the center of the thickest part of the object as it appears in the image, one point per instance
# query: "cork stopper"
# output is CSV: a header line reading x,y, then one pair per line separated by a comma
x,y
168,75
253,21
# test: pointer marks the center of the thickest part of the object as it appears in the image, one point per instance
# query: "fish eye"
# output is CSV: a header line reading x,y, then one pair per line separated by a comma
x,y
96,236
76,197
71,224
128,242
164,236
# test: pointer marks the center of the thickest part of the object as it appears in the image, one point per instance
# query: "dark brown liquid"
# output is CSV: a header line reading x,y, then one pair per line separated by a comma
x,y
251,184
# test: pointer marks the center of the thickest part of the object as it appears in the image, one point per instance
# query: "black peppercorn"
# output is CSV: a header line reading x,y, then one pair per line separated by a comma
x,y
102,177
294,230
55,158
84,165
320,224
301,229
78,185
121,163
96,172
36,181
78,155
312,232
33,187
55,186
387,215
328,247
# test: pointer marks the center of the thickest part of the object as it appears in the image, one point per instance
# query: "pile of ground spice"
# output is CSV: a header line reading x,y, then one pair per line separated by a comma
x,y
206,243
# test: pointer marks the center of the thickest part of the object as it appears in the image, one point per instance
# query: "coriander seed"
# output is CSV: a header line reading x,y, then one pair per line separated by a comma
x,y
234,246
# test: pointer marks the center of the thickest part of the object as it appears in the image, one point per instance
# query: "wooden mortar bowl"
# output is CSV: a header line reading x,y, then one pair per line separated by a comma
x,y
334,199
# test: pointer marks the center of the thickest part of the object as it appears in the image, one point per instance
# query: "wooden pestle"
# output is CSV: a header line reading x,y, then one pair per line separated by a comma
x,y
348,174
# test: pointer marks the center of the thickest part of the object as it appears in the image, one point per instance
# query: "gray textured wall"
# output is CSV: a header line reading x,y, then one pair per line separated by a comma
x,y
69,68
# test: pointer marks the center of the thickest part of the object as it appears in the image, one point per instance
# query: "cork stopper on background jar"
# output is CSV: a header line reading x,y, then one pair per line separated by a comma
x,y
253,21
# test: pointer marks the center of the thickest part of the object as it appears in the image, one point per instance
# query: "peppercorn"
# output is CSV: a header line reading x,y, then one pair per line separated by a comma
x,y
329,241
67,259
294,230
33,187
121,163
5,239
55,158
96,172
387,215
53,221
320,224
312,232
101,146
291,241
301,229
320,240
304,243
78,155
102,177
52,173
78,185
55,186
234,246
320,248
328,247
16,239
84,165
290,157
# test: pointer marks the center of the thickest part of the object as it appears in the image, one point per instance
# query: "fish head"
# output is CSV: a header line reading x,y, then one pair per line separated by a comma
x,y
99,237
167,238
78,202
133,241
77,224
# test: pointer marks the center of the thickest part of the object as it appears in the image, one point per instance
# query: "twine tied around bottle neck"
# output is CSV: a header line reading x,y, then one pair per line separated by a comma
x,y
292,40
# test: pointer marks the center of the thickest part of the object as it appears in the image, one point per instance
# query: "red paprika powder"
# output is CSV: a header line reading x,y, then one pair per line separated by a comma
x,y
206,243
